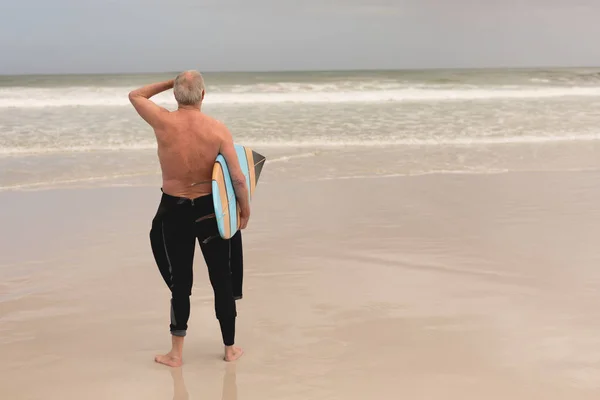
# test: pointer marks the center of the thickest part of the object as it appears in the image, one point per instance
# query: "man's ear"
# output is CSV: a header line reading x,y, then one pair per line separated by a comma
x,y
202,94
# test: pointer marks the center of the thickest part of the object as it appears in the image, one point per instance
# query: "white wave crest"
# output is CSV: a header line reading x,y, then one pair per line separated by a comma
x,y
316,143
117,96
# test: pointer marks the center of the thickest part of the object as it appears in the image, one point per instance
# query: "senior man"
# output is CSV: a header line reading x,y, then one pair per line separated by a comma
x,y
188,144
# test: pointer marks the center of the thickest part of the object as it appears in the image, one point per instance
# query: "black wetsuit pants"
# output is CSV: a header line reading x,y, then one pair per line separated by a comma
x,y
178,223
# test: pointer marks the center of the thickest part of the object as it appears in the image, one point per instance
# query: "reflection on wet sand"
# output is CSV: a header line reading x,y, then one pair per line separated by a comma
x,y
229,383
229,391
179,390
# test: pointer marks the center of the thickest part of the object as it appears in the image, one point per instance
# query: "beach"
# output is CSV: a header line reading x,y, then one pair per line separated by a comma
x,y
413,236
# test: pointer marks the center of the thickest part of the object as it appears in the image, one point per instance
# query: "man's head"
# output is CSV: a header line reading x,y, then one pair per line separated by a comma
x,y
189,88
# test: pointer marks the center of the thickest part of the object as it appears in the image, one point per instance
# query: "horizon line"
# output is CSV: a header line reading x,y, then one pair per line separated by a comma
x,y
271,71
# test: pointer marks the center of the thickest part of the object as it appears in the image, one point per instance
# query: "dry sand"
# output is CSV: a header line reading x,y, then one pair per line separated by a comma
x,y
430,287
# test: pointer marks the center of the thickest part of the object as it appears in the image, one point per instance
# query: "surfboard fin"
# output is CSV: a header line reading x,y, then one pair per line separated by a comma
x,y
259,162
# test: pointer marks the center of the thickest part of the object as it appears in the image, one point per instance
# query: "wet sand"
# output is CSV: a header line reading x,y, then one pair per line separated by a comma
x,y
444,286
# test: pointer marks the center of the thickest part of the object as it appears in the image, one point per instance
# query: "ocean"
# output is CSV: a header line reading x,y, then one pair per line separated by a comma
x,y
81,129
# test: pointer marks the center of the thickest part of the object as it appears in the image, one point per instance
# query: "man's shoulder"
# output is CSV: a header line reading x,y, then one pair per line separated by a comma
x,y
213,120
218,127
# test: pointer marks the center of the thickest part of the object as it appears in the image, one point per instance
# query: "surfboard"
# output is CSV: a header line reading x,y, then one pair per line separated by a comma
x,y
226,209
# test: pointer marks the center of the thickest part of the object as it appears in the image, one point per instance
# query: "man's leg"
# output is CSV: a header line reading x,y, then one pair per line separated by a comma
x,y
172,238
216,252
237,265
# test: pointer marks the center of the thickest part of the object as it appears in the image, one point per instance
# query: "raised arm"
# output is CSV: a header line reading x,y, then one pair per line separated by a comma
x,y
237,176
146,108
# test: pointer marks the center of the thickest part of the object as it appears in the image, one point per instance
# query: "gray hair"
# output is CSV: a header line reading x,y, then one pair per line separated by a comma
x,y
189,88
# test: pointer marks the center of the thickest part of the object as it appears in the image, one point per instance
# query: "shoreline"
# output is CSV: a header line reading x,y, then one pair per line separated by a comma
x,y
152,180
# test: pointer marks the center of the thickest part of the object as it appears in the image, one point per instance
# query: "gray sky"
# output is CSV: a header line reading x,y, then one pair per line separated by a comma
x,y
65,36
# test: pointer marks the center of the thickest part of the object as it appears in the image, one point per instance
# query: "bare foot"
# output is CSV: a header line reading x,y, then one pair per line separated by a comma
x,y
172,358
168,359
232,353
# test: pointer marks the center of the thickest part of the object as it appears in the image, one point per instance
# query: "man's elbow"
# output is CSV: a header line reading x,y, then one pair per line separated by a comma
x,y
239,182
132,96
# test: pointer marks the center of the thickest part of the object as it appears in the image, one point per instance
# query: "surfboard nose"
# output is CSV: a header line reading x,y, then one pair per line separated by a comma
x,y
259,162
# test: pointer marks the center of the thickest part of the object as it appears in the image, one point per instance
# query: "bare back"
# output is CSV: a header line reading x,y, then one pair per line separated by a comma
x,y
188,144
189,141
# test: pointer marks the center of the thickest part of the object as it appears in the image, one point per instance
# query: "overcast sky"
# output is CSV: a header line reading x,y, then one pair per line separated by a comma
x,y
65,36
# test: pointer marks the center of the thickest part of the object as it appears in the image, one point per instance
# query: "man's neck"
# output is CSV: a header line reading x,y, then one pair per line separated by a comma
x,y
197,107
